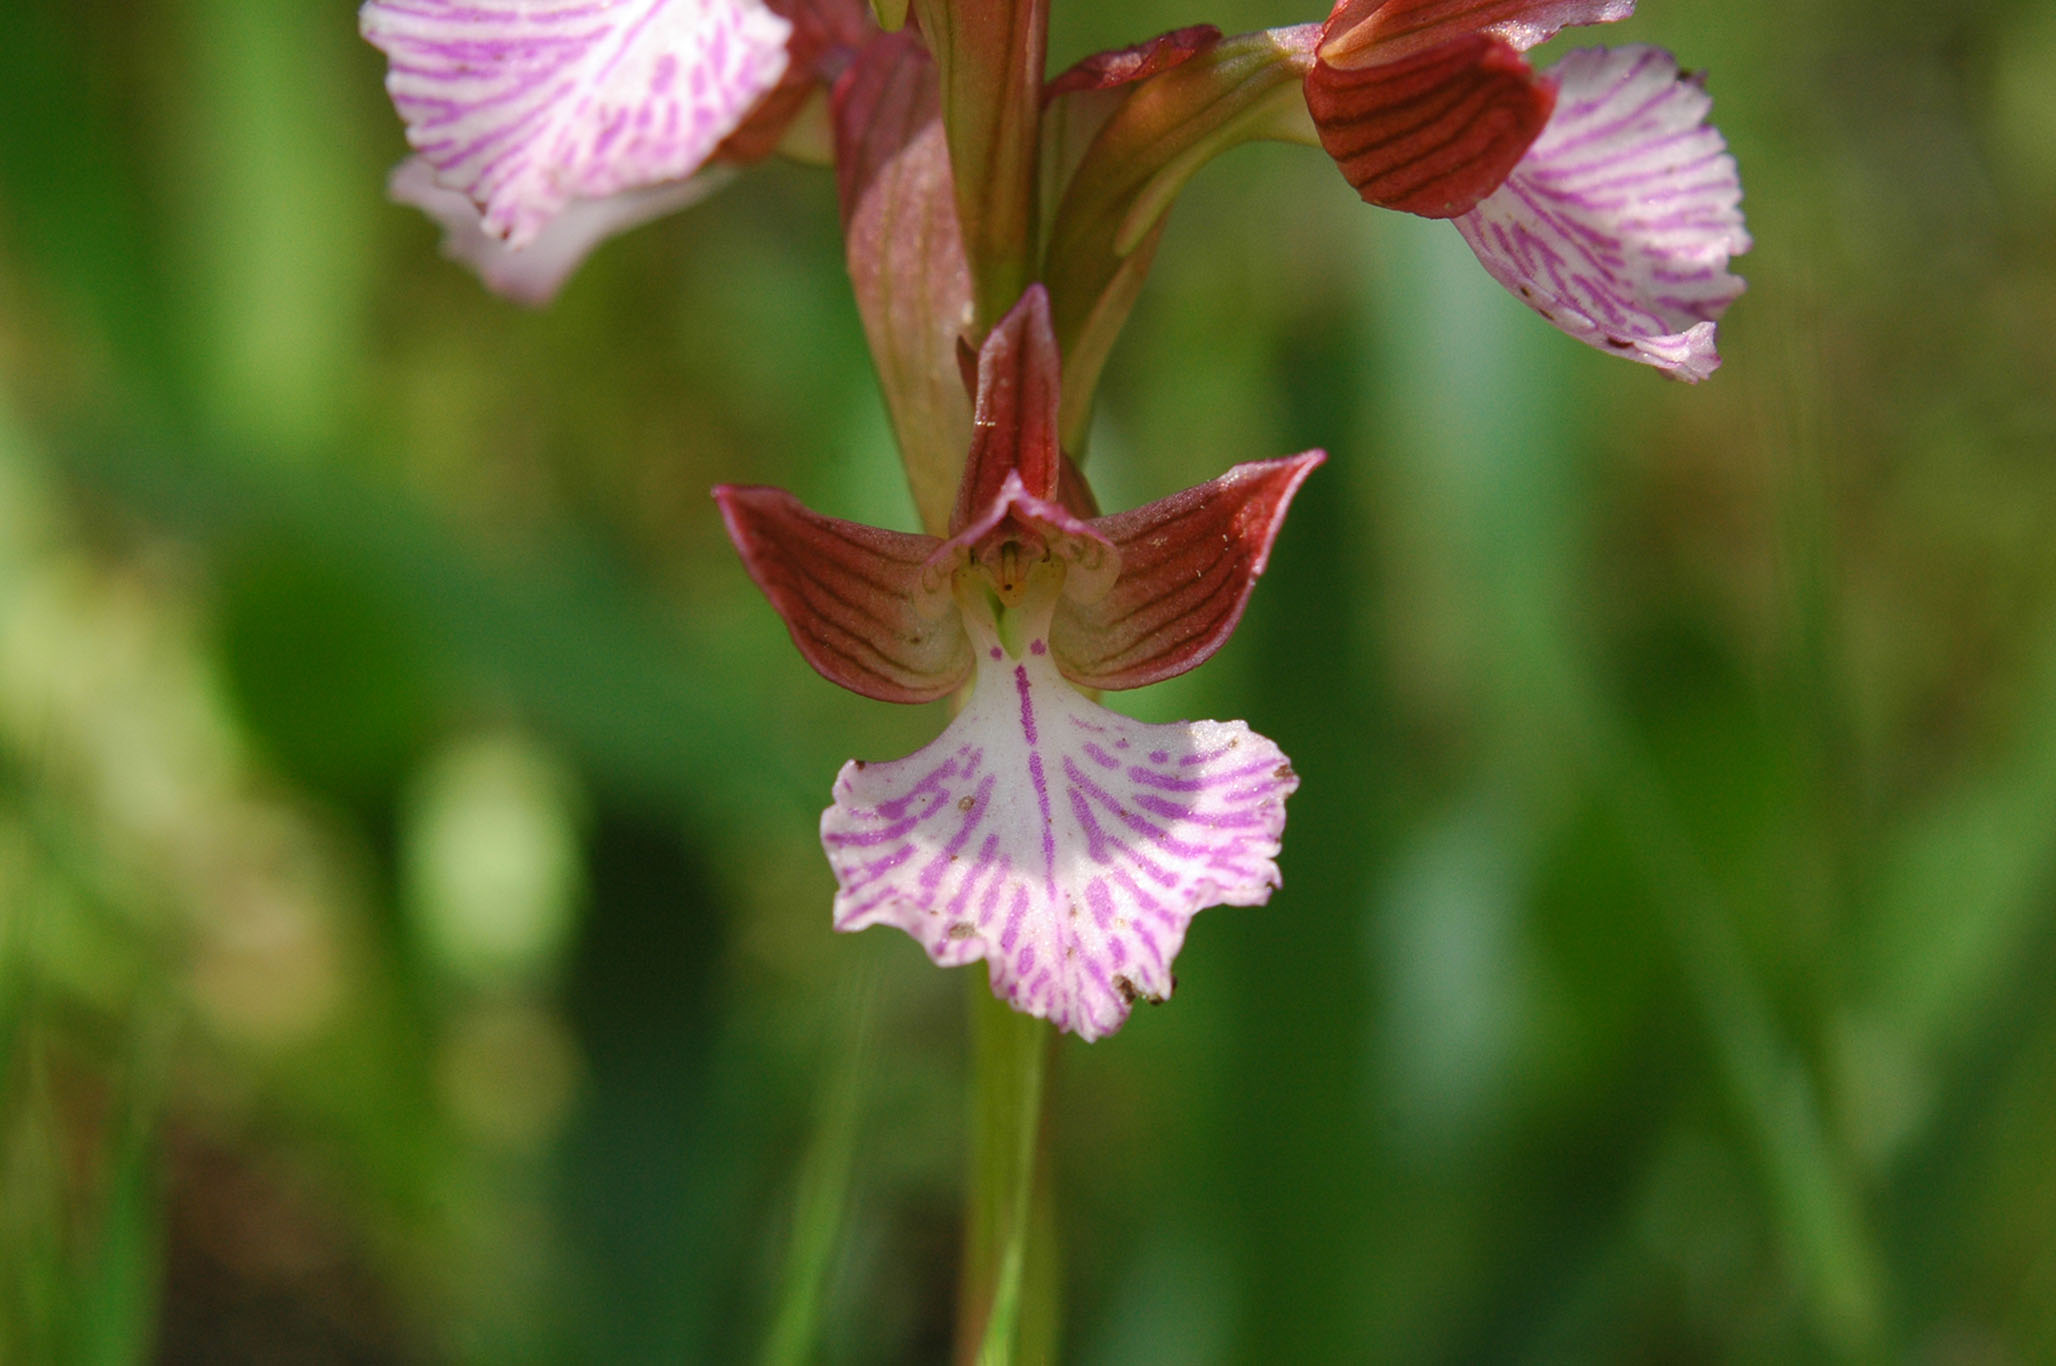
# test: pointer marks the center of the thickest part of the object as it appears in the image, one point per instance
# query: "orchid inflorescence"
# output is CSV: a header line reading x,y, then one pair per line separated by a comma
x,y
998,226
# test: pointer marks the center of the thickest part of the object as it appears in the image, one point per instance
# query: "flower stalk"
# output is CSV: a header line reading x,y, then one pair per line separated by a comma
x,y
992,54
1001,1304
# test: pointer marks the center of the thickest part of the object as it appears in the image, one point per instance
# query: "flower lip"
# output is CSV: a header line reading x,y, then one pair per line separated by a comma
x,y
1619,224
1067,846
529,105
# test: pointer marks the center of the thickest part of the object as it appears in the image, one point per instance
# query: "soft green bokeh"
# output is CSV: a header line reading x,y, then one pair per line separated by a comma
x,y
1662,968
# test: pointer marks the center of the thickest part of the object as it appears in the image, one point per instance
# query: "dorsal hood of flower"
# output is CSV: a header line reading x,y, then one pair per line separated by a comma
x,y
1427,105
1595,191
543,127
1066,845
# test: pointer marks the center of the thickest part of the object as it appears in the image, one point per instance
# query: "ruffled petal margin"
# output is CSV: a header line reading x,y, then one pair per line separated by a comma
x,y
528,105
1067,846
1618,224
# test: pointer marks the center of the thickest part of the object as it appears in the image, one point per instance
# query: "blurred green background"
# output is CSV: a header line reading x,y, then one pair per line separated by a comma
x,y
413,940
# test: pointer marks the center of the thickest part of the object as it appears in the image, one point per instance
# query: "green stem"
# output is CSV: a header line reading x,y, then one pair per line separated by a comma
x,y
1002,1303
992,55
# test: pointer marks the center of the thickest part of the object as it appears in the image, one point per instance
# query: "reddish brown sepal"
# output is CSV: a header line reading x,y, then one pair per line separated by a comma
x,y
1105,70
1014,421
854,597
1188,563
1435,132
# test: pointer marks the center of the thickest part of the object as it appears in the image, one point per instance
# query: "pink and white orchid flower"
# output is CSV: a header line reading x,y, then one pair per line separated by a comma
x,y
543,127
1595,191
1066,845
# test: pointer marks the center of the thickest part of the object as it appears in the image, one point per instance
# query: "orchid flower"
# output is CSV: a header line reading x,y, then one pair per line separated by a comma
x,y
1066,845
1595,191
543,127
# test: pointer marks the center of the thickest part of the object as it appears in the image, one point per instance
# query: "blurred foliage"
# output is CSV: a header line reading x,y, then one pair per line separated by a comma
x,y
413,941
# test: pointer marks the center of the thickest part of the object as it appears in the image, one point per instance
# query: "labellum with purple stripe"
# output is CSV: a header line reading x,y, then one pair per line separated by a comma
x,y
547,126
1618,224
1067,846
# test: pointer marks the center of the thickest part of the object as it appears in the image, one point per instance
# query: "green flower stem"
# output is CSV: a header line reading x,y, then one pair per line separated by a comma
x,y
1008,1305
992,55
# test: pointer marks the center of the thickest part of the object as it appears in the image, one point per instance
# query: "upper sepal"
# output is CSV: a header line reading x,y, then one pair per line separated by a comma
x,y
1014,418
1364,32
1122,66
528,105
1187,565
864,605
1427,105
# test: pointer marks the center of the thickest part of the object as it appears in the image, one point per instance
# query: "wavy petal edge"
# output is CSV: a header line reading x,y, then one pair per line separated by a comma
x,y
1618,225
1064,844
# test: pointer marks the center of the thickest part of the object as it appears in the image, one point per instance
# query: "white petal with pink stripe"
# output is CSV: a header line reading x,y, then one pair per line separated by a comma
x,y
526,105
1066,845
1618,224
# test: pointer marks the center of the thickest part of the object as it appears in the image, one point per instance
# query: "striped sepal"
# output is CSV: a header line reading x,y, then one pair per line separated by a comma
x,y
1433,133
858,600
1187,565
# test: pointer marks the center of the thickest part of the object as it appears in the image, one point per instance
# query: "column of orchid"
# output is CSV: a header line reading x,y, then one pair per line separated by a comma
x,y
999,225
